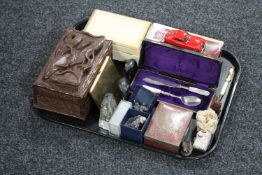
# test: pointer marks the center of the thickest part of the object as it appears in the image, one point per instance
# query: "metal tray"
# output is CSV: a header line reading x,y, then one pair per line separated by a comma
x,y
91,125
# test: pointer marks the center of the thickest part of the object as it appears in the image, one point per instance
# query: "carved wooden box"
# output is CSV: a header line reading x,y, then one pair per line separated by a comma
x,y
64,83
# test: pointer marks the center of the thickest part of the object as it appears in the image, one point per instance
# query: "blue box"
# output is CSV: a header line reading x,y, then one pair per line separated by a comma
x,y
143,96
132,134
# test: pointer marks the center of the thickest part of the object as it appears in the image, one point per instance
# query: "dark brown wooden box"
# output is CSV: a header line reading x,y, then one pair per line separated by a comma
x,y
63,84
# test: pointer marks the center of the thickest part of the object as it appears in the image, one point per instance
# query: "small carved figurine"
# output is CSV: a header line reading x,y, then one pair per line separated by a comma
x,y
108,107
73,58
207,120
123,86
131,68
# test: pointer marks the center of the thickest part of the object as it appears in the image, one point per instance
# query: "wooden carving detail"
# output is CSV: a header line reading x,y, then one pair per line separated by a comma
x,y
58,104
73,58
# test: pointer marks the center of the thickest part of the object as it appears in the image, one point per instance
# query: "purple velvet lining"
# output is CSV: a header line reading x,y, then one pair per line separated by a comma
x,y
171,61
176,91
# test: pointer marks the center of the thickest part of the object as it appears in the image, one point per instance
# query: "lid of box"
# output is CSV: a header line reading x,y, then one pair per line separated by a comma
x,y
180,64
74,64
123,30
168,124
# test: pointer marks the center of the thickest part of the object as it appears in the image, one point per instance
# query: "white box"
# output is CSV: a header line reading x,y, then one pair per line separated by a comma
x,y
126,33
122,56
116,119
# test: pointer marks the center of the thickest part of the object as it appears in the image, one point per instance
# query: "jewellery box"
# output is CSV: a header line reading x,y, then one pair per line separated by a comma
x,y
143,102
64,83
156,61
167,127
134,134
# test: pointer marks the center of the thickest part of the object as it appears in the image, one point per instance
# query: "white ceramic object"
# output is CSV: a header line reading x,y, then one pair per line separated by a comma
x,y
202,141
116,119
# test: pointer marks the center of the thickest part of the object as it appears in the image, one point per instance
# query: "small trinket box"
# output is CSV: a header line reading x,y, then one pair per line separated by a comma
x,y
134,125
167,127
64,83
143,100
202,140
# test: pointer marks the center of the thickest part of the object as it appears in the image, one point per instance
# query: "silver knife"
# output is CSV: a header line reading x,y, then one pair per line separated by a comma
x,y
151,80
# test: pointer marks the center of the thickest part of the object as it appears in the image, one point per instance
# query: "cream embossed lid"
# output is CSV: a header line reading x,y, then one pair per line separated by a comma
x,y
127,33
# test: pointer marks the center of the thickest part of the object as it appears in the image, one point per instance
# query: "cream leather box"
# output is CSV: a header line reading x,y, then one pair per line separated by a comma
x,y
127,33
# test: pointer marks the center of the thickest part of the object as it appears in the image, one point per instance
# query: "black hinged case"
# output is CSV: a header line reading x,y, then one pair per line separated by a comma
x,y
174,66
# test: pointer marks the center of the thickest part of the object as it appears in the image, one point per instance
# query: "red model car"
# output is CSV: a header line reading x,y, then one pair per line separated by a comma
x,y
183,39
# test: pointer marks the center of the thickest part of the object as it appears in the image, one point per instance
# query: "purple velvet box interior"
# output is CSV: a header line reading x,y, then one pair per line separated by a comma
x,y
158,59
181,63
